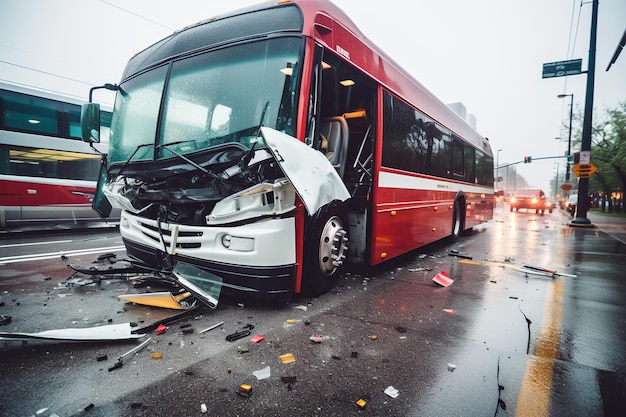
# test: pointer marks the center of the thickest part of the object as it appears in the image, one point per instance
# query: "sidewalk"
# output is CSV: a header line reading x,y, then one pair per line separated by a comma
x,y
614,226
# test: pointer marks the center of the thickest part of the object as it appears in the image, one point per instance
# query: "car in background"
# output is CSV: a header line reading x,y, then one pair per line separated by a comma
x,y
571,203
530,199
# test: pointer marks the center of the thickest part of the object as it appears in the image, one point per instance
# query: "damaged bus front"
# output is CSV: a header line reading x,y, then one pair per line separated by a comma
x,y
212,184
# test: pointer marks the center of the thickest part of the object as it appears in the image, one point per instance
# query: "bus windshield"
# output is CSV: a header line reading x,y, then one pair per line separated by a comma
x,y
208,99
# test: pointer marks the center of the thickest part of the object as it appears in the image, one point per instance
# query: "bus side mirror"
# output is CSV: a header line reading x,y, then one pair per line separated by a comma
x,y
90,122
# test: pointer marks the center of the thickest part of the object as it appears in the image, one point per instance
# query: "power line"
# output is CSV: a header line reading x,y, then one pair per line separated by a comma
x,y
138,15
46,72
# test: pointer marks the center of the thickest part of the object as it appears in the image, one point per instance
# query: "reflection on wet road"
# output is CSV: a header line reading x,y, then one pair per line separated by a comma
x,y
501,340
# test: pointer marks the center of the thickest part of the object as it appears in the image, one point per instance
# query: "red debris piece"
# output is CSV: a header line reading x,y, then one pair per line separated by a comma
x,y
161,329
443,279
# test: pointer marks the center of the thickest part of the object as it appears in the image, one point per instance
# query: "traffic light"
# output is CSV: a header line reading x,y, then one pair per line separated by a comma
x,y
528,159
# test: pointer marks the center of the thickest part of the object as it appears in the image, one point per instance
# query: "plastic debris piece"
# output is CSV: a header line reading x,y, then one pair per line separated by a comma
x,y
156,355
459,254
291,321
392,392
237,335
258,338
188,330
89,407
203,408
242,350
116,366
361,403
120,331
158,299
215,326
316,338
373,337
229,370
161,328
287,358
102,358
134,350
401,329
443,279
288,379
451,367
262,373
4,319
303,308
245,388
449,311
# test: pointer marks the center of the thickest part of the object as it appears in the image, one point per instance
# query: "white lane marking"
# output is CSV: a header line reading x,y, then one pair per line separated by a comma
x,y
53,242
52,255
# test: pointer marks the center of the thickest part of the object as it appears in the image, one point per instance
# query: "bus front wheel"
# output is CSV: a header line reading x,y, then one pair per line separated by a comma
x,y
325,249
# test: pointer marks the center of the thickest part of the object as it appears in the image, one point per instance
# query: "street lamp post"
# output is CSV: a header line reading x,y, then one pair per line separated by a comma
x,y
569,139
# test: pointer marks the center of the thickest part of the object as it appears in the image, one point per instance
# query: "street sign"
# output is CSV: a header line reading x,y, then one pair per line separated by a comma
x,y
562,68
584,170
566,187
585,157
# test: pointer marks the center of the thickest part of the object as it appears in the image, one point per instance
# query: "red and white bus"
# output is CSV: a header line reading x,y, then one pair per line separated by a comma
x,y
47,173
265,149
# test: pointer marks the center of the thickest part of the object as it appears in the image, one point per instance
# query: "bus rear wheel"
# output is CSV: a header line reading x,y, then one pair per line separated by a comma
x,y
325,249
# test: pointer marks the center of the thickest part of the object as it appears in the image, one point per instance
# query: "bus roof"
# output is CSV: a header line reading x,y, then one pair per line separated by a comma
x,y
329,25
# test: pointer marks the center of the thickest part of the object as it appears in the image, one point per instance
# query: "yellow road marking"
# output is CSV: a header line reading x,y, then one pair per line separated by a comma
x,y
534,396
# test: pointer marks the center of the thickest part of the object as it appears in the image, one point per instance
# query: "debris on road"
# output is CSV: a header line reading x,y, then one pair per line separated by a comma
x,y
121,331
245,390
208,329
4,319
458,254
443,279
163,299
262,373
392,392
316,338
552,272
287,358
237,335
134,350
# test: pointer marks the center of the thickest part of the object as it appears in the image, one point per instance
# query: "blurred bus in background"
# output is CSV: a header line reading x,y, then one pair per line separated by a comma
x,y
48,175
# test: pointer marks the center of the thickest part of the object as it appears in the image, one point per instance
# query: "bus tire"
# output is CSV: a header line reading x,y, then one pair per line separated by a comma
x,y
458,223
325,249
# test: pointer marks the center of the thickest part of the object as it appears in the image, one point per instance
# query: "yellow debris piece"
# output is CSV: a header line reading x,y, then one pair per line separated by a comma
x,y
288,358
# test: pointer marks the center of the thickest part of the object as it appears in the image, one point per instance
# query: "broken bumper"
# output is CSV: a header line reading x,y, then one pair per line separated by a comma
x,y
255,261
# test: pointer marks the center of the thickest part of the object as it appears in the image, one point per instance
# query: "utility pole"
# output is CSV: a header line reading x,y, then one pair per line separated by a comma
x,y
583,183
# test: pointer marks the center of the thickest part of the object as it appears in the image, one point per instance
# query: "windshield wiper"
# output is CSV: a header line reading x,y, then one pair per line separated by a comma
x,y
131,157
184,158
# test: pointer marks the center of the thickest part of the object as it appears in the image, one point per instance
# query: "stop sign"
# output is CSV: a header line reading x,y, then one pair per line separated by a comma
x,y
566,187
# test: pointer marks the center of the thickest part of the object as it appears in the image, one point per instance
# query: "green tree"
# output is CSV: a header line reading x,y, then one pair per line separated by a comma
x,y
609,152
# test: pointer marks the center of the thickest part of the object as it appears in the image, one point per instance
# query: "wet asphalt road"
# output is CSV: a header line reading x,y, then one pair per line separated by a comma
x,y
498,341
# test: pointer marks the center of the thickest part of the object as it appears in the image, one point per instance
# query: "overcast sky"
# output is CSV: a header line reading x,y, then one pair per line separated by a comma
x,y
487,54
